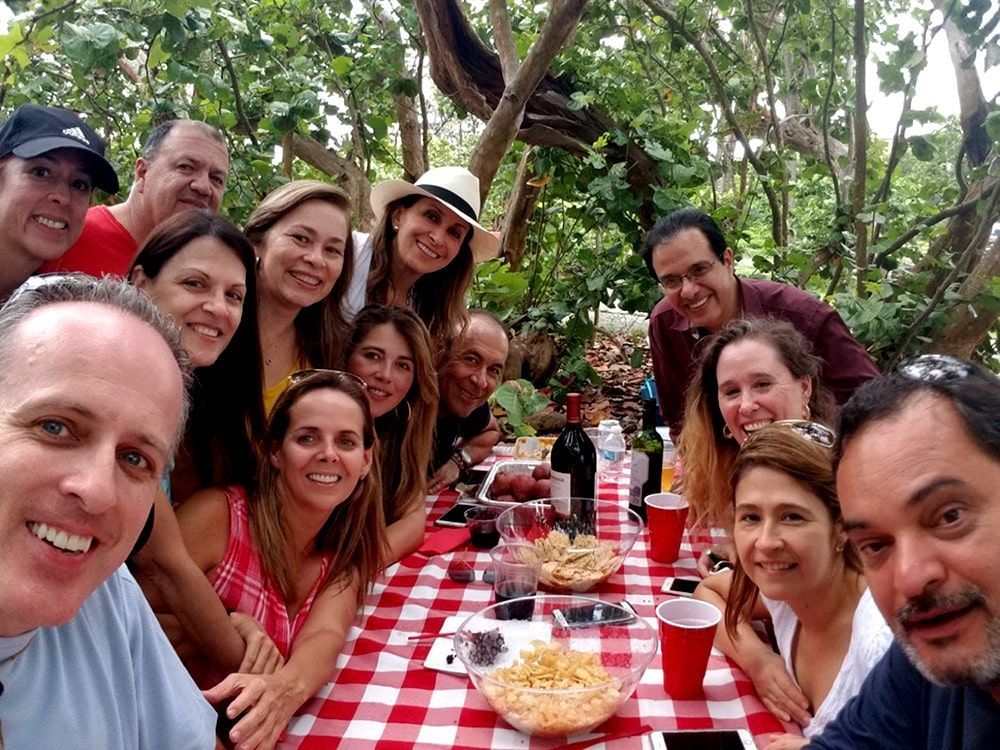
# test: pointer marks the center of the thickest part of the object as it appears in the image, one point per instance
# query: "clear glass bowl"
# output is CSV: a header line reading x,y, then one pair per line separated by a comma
x,y
616,654
591,541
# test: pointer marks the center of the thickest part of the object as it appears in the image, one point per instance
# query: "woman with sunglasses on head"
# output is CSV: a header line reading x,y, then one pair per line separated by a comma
x,y
427,240
793,567
389,348
301,233
198,268
754,371
299,548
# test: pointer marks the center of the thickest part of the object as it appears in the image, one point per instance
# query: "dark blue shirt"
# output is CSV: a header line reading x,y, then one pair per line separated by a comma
x,y
899,709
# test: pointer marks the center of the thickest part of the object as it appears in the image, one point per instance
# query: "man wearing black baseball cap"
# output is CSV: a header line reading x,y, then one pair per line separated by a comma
x,y
50,161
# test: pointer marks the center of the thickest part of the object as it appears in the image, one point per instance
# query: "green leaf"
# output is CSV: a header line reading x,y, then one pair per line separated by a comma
x,y
341,65
993,125
923,149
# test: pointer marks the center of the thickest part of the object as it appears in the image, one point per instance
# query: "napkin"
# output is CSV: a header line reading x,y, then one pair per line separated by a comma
x,y
445,540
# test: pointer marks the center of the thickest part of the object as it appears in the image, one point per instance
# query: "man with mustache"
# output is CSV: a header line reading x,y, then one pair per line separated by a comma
x,y
918,476
184,165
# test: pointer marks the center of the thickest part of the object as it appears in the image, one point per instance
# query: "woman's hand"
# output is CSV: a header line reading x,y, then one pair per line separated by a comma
x,y
786,742
724,551
777,690
266,702
261,655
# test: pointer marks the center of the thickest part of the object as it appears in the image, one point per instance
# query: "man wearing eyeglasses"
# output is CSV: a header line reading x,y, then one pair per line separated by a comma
x,y
83,661
687,254
918,467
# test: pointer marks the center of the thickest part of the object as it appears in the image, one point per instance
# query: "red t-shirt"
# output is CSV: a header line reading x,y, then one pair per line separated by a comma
x,y
104,247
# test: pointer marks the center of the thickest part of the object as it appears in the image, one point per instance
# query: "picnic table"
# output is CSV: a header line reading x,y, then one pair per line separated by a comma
x,y
382,695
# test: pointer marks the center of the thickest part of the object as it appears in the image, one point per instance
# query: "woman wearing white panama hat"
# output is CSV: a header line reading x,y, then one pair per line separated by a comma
x,y
426,241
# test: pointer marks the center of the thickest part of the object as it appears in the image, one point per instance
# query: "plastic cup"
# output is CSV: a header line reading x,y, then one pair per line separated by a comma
x,y
666,513
515,576
482,523
687,630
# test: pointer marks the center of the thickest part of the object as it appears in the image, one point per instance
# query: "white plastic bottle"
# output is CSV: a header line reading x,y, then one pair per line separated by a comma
x,y
611,451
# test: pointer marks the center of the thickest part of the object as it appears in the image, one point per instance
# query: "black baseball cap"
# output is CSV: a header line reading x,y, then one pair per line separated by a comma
x,y
33,130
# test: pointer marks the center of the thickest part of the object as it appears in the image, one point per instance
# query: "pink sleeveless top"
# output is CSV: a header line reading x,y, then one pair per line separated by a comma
x,y
244,586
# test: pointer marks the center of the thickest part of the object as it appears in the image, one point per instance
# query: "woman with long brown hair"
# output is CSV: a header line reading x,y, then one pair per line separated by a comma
x,y
389,348
795,568
301,233
299,550
426,242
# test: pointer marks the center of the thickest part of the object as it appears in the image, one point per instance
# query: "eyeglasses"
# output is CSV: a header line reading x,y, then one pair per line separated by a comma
x,y
934,368
695,273
814,432
299,375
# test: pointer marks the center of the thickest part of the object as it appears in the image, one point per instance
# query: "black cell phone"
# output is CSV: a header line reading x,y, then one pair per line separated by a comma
x,y
454,516
597,613
723,739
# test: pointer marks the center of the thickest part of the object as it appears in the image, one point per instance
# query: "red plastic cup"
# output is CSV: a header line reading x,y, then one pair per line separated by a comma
x,y
687,630
666,513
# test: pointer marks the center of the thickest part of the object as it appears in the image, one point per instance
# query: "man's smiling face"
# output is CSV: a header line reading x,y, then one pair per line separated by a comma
x,y
90,405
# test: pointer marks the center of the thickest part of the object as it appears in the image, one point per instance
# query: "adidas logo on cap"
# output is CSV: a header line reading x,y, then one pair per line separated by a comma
x,y
76,133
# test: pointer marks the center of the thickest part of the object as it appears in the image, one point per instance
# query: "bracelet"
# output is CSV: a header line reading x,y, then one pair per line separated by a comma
x,y
460,461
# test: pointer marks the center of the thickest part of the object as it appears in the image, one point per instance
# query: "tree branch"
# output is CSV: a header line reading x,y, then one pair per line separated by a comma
x,y
982,233
237,97
860,147
838,198
503,124
720,90
937,218
503,40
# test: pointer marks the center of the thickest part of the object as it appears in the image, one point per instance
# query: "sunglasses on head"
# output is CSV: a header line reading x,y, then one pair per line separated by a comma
x,y
814,432
299,375
33,283
934,368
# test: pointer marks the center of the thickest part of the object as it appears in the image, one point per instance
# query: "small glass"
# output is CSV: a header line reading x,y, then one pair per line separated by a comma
x,y
515,569
482,523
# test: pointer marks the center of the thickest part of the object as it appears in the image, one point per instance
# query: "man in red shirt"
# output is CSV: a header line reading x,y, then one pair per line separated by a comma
x,y
183,166
687,253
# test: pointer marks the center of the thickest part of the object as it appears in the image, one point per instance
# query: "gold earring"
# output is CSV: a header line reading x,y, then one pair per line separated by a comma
x,y
807,413
839,547
727,433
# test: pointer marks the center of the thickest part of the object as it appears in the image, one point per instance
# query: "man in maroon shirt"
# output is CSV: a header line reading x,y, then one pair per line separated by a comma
x,y
687,254
183,166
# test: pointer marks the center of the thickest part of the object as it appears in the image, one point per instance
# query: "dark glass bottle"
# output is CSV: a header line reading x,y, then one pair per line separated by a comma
x,y
574,459
647,460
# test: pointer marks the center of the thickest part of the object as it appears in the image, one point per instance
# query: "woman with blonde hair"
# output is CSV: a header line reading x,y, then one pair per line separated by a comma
x,y
301,233
426,242
299,550
389,348
795,568
752,372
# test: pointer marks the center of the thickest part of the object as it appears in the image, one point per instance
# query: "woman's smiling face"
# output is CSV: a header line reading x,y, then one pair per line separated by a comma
x,y
429,235
302,254
384,360
757,388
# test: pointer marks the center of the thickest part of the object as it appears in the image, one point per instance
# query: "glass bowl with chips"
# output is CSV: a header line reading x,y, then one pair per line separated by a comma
x,y
583,541
565,670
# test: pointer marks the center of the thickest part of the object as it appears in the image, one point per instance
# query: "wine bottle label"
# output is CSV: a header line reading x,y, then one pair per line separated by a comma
x,y
638,477
561,491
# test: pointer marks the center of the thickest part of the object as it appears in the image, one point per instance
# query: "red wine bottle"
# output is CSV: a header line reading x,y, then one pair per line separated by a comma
x,y
574,459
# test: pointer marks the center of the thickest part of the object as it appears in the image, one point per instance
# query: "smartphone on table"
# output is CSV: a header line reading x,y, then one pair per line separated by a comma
x,y
703,739
680,586
455,515
597,613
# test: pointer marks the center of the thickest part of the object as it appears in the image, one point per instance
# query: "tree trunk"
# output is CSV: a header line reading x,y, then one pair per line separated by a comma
x,y
860,147
347,174
969,323
520,207
469,74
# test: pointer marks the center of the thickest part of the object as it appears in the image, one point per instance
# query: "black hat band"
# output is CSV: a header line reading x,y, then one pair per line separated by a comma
x,y
452,199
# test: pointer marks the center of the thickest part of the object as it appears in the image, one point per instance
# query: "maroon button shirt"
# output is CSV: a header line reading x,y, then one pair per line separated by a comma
x,y
675,344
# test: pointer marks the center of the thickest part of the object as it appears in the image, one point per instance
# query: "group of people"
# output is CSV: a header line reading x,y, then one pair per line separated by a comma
x,y
253,417
328,380
858,508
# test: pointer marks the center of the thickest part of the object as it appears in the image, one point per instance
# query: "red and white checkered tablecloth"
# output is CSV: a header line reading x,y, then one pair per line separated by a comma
x,y
382,696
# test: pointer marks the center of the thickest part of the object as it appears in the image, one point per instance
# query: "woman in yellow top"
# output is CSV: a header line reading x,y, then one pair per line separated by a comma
x,y
301,233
